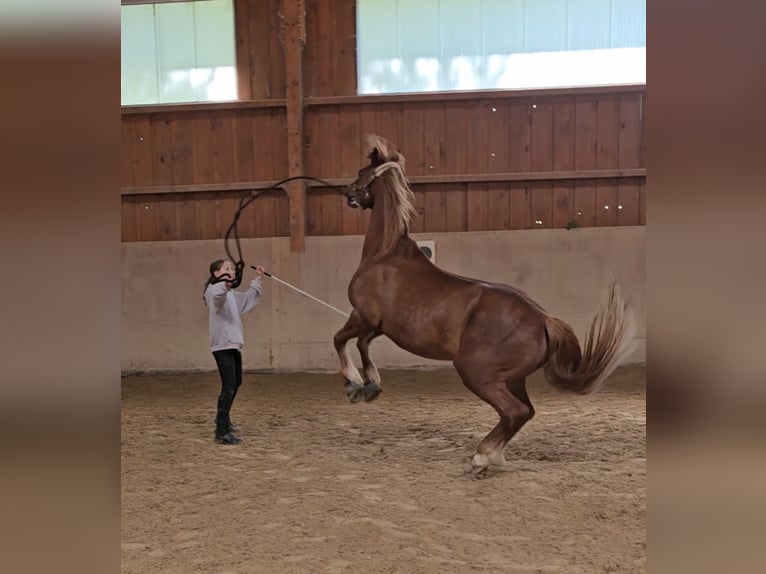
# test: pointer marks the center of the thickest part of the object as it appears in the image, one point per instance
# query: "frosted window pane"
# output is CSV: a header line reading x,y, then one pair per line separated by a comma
x,y
139,56
427,45
178,52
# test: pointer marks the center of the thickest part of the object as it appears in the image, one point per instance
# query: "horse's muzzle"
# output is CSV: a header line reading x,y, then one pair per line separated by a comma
x,y
350,194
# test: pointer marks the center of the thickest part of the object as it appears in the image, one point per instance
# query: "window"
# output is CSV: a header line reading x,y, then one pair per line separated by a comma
x,y
433,45
176,52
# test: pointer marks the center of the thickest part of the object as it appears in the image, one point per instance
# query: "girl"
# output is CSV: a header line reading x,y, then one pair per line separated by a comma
x,y
225,308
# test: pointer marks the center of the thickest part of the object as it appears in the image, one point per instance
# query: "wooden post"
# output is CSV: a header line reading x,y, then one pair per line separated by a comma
x,y
293,38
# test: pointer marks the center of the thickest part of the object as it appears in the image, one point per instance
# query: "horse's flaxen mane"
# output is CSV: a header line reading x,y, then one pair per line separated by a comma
x,y
398,200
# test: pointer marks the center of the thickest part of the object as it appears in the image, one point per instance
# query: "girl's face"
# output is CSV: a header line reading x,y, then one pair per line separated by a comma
x,y
226,269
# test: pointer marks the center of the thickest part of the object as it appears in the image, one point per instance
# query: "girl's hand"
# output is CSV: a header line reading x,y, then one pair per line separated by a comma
x,y
259,270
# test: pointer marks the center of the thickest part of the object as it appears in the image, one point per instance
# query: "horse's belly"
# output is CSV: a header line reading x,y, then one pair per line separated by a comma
x,y
434,342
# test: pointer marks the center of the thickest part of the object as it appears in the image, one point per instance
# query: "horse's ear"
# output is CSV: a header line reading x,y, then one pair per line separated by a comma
x,y
398,157
374,156
378,149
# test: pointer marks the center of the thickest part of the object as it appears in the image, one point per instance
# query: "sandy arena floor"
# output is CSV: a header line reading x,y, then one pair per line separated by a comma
x,y
322,485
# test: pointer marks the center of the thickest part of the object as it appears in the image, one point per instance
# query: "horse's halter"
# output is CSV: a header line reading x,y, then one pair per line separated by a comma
x,y
355,188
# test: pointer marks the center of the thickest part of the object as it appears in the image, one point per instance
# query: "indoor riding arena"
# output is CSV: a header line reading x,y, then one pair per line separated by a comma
x,y
520,129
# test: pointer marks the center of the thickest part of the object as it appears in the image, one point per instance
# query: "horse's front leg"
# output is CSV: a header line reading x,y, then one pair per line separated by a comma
x,y
371,388
354,384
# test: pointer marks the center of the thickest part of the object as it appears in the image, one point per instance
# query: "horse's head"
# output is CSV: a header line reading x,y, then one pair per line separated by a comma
x,y
381,152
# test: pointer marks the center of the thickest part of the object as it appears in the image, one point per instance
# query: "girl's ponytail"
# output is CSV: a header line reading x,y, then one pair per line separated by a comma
x,y
214,266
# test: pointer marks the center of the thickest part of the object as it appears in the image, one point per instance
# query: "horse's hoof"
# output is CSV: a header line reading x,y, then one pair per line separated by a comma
x,y
479,474
354,391
479,465
371,391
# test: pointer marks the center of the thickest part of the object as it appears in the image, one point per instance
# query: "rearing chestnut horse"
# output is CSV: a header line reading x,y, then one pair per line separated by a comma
x,y
494,334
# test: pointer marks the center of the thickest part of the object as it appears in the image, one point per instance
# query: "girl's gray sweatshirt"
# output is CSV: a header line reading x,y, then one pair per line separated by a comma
x,y
225,308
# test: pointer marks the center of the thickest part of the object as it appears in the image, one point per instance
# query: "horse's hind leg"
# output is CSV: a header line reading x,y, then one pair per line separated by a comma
x,y
371,388
511,403
354,384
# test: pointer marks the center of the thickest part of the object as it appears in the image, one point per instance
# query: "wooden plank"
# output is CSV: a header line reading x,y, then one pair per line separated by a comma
x,y
192,163
147,219
630,131
585,203
283,215
499,206
418,224
209,218
263,148
310,51
196,107
455,207
313,143
261,215
314,214
259,218
276,73
412,137
424,179
541,159
607,156
490,205
147,216
225,206
331,206
541,137
128,221
317,100
433,142
455,137
495,147
643,130
349,164
563,159
435,209
242,39
541,204
126,154
563,204
142,151
344,47
642,204
564,136
434,203
260,33
586,142
162,151
280,205
388,123
223,148
628,204
243,147
521,215
366,128
279,140
294,26
520,133
323,60
167,217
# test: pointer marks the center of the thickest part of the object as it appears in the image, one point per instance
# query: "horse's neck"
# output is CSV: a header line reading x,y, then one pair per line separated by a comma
x,y
373,240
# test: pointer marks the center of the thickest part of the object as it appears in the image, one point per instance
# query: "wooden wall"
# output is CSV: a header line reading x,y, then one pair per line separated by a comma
x,y
480,161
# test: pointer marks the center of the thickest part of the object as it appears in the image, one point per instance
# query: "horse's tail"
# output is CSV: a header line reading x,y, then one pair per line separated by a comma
x,y
609,338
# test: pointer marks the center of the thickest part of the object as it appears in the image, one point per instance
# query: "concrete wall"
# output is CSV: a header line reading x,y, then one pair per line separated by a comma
x,y
164,321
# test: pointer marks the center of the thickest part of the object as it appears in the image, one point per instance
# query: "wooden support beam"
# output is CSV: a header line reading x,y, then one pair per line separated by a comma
x,y
293,40
621,173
